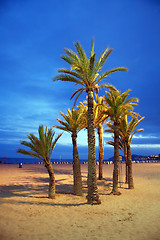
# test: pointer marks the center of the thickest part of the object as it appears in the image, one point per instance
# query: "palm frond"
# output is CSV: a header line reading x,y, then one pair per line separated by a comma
x,y
109,130
65,125
68,59
103,59
78,92
81,52
97,65
61,128
42,137
137,131
73,73
71,54
110,142
104,75
54,143
27,144
29,153
66,78
91,65
92,48
36,144
132,100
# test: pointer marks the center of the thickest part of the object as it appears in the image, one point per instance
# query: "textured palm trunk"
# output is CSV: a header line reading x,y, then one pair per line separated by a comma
x,y
125,156
130,175
101,150
76,168
93,196
51,179
116,160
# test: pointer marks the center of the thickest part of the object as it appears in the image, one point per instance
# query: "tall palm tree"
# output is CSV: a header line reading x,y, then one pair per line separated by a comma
x,y
117,106
75,121
87,73
99,119
42,148
126,132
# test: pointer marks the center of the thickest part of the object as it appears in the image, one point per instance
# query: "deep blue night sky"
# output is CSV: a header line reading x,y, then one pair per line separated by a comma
x,y
33,36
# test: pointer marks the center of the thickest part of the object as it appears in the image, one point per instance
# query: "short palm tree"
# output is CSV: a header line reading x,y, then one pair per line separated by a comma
x,y
117,106
126,132
87,73
42,148
75,121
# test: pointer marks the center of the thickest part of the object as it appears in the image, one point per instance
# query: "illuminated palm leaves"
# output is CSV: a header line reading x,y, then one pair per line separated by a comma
x,y
75,120
127,129
118,105
85,71
99,111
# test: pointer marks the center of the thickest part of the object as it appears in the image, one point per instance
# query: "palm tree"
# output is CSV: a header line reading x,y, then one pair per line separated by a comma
x,y
100,118
126,132
42,148
87,73
75,121
117,106
122,147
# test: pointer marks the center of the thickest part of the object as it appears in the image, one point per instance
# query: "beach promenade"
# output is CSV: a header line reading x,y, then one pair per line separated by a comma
x,y
26,213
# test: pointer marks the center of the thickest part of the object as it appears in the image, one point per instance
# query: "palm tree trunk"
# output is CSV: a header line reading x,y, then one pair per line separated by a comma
x,y
51,179
101,150
116,160
130,175
93,196
125,156
76,168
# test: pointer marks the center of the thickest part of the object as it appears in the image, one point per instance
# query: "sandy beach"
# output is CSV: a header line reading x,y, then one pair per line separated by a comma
x,y
27,213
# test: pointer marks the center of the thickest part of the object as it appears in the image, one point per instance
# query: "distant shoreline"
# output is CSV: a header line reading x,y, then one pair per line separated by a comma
x,y
81,162
135,159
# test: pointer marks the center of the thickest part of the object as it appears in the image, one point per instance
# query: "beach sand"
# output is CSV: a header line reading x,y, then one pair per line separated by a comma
x,y
27,213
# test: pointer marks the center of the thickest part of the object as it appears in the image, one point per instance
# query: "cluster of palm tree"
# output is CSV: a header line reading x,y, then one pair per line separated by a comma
x,y
118,107
87,73
111,109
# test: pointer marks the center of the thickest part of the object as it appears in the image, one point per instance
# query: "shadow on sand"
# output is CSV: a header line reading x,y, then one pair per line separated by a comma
x,y
35,187
7,194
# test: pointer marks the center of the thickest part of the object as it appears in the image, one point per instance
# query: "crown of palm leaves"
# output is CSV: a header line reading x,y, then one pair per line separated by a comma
x,y
117,103
75,120
85,71
41,147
